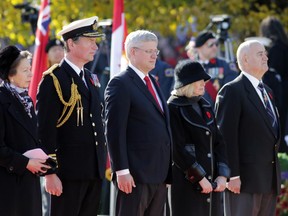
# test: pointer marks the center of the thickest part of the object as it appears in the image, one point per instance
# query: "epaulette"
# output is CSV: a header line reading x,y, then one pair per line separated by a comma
x,y
50,70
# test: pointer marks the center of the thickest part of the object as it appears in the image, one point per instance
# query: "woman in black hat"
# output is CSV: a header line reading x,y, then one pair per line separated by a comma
x,y
20,186
200,169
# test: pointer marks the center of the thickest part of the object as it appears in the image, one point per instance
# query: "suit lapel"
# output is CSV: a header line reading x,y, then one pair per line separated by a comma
x,y
256,101
140,84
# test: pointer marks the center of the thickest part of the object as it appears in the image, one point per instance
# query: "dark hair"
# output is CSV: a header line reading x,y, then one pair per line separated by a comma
x,y
272,28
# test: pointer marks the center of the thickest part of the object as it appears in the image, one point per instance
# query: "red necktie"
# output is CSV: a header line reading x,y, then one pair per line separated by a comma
x,y
150,88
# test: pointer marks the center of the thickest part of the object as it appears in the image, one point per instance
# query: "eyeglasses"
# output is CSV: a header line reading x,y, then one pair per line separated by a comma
x,y
216,43
150,51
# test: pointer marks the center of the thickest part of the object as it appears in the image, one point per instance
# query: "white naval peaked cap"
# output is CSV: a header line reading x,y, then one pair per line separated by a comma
x,y
84,27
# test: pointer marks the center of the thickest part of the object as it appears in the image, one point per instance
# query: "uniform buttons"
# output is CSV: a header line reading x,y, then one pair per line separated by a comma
x,y
208,200
93,124
91,115
209,155
105,143
273,162
207,133
96,143
95,133
209,177
11,168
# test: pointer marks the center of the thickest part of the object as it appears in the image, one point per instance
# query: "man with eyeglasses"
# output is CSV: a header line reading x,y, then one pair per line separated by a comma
x,y
138,132
206,47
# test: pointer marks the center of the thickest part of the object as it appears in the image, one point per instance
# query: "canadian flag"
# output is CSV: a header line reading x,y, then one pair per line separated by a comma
x,y
119,32
39,62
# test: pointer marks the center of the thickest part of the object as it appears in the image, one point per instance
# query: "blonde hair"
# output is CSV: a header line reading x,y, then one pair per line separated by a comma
x,y
187,91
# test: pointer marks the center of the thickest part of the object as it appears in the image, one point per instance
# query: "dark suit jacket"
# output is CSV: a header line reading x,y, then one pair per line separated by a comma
x,y
20,189
138,133
80,150
252,145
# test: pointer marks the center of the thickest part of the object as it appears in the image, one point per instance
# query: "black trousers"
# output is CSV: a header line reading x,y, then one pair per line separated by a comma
x,y
145,200
250,204
79,198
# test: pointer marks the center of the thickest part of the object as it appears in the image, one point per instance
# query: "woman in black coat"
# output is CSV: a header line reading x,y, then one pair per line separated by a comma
x,y
20,186
200,168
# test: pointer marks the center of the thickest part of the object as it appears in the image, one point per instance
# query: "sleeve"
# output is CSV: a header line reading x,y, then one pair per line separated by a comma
x,y
183,151
228,113
13,161
48,111
117,105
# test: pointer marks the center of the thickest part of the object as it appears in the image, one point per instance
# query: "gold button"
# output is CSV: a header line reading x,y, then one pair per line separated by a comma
x,y
91,115
207,133
93,124
96,143
95,133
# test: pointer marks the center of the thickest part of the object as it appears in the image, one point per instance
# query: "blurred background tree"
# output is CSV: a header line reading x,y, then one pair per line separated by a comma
x,y
167,17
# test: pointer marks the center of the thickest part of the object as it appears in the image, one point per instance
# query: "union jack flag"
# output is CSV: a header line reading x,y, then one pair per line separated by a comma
x,y
39,62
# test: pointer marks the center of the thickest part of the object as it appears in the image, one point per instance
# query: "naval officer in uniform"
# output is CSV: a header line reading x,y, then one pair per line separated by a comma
x,y
71,126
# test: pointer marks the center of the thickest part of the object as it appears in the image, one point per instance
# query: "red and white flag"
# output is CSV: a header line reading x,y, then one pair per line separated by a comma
x,y
39,62
119,32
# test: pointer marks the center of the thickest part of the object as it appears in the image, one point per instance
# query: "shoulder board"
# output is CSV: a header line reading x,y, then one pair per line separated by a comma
x,y
50,70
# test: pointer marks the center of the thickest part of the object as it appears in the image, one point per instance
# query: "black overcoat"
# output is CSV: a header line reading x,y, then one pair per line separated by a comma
x,y
196,139
19,189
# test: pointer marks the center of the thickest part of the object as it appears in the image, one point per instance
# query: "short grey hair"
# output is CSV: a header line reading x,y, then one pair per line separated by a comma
x,y
135,39
242,50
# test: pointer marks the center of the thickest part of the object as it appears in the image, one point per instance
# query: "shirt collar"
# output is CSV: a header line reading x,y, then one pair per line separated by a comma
x,y
137,71
75,68
255,82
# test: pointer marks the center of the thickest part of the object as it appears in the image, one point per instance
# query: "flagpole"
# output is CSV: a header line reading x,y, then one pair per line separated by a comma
x,y
117,46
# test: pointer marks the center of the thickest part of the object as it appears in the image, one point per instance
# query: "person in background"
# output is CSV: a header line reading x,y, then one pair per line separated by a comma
x,y
272,28
200,168
20,186
55,51
205,51
138,131
163,74
249,121
71,125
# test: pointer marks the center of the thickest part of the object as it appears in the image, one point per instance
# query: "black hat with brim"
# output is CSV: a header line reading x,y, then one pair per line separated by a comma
x,y
7,56
187,72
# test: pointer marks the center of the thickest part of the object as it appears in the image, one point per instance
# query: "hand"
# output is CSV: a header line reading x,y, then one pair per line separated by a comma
x,y
35,165
206,186
221,183
53,185
234,185
125,183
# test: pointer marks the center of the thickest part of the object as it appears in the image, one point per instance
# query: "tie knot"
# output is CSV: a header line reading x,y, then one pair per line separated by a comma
x,y
81,74
261,86
146,78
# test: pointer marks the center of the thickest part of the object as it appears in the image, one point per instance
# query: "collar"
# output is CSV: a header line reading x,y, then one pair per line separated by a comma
x,y
255,82
138,72
75,68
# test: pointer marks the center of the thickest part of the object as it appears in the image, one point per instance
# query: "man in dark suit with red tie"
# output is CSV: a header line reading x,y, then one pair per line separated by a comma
x,y
249,121
138,132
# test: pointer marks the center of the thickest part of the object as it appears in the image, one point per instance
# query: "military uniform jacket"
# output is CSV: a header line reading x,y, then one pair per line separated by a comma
x,y
80,150
196,138
252,145
20,193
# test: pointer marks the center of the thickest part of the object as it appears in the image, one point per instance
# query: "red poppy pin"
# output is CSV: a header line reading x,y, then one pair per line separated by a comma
x,y
270,95
208,114
213,61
